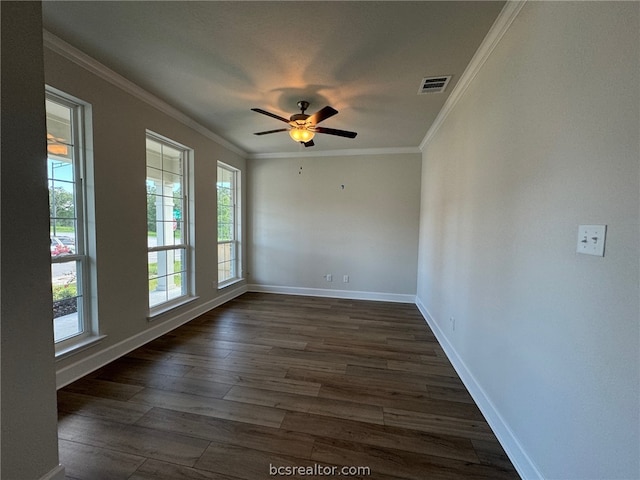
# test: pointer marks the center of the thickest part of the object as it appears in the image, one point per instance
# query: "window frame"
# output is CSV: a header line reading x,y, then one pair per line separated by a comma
x,y
187,280
80,118
236,249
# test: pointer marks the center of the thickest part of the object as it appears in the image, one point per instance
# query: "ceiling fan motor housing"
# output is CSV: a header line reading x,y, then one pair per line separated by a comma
x,y
298,119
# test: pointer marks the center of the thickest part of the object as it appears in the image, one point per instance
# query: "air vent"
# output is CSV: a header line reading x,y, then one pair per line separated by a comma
x,y
433,84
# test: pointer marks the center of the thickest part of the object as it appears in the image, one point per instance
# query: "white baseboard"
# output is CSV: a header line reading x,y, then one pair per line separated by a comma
x,y
325,292
57,473
521,461
86,365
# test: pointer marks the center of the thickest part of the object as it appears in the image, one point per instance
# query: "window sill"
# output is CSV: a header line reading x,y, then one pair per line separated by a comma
x,y
155,312
228,283
78,347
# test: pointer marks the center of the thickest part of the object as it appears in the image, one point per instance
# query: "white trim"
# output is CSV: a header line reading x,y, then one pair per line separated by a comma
x,y
325,292
77,347
336,153
514,450
56,473
496,32
79,369
80,58
165,307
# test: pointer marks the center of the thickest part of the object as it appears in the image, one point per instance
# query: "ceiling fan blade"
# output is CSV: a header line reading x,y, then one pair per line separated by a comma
x,y
333,131
309,143
321,115
269,114
272,131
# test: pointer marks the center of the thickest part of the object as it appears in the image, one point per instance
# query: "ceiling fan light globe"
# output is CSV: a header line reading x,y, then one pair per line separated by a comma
x,y
301,134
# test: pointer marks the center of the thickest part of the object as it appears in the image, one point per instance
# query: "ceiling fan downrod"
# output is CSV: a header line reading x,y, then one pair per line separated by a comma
x,y
303,105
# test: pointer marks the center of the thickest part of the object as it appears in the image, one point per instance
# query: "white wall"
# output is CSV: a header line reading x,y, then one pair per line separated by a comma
x,y
28,442
303,224
545,138
120,121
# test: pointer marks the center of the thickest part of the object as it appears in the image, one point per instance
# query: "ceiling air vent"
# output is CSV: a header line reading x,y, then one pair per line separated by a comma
x,y
434,84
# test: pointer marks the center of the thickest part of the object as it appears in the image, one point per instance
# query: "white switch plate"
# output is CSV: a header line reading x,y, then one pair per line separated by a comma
x,y
591,239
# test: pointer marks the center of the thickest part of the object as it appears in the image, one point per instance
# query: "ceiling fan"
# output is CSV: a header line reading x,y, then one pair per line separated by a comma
x,y
303,127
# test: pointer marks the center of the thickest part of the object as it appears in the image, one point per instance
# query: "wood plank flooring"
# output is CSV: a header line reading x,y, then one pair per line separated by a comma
x,y
272,381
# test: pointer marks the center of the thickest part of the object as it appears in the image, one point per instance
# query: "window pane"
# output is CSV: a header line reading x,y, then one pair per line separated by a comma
x,y
59,132
60,169
171,205
67,299
177,257
177,288
60,248
171,160
178,233
226,230
154,154
151,211
164,220
62,201
225,176
226,261
172,182
178,209
224,197
154,175
156,297
162,266
152,264
69,241
166,273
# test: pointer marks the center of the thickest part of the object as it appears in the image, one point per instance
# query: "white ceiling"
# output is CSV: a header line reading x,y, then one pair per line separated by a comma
x,y
216,60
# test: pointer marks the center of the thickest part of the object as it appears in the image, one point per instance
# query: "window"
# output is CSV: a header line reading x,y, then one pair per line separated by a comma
x,y
228,224
167,223
70,264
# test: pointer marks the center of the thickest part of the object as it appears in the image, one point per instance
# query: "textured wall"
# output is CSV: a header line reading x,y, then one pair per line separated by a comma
x,y
303,224
545,138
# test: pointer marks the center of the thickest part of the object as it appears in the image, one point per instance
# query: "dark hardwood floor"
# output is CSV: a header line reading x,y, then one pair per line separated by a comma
x,y
269,382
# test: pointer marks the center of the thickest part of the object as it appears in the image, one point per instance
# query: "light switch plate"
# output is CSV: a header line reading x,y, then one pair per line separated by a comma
x,y
591,239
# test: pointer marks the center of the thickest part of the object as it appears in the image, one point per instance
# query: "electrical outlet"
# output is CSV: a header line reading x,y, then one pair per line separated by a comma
x,y
345,278
452,320
328,277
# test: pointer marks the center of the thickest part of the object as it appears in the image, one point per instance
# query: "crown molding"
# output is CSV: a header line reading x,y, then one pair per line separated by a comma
x,y
90,64
336,153
504,20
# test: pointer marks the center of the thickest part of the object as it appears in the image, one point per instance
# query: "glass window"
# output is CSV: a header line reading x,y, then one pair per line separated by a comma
x,y
227,186
67,207
167,222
